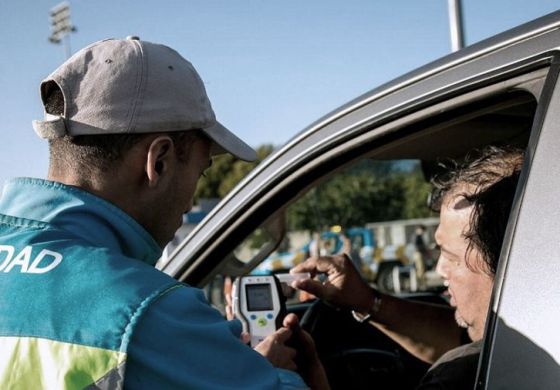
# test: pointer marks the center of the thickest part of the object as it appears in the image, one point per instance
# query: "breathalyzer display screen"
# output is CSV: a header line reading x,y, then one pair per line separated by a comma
x,y
259,297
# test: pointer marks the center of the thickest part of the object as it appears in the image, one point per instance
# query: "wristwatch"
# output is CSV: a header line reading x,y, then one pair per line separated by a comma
x,y
372,311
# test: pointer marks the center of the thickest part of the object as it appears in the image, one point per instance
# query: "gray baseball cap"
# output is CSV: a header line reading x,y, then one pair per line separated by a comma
x,y
119,86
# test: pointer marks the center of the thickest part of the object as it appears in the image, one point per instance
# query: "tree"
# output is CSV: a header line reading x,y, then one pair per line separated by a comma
x,y
226,171
371,191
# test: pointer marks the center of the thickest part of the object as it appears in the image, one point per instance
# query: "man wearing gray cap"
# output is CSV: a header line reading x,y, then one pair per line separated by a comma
x,y
130,131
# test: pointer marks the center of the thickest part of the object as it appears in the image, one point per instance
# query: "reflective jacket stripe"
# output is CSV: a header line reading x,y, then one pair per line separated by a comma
x,y
32,363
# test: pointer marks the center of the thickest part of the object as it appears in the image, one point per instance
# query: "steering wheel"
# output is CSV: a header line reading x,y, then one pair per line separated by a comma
x,y
355,355
311,316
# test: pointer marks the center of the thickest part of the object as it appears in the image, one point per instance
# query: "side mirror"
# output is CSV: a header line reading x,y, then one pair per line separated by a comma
x,y
256,247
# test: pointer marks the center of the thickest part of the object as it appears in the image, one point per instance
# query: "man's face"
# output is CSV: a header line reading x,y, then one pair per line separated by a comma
x,y
468,286
179,197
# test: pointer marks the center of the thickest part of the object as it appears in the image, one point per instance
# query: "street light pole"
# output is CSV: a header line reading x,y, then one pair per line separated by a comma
x,y
67,50
456,25
61,26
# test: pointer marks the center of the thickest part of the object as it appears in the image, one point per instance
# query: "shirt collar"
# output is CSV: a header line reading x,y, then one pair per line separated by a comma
x,y
83,214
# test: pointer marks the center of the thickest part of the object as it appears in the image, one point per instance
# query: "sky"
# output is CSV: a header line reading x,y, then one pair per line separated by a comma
x,y
270,67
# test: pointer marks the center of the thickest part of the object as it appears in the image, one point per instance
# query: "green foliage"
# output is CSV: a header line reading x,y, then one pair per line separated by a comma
x,y
370,191
415,191
226,171
367,192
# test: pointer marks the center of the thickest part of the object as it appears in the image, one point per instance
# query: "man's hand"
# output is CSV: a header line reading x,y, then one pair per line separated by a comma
x,y
274,348
344,286
228,285
309,366
300,355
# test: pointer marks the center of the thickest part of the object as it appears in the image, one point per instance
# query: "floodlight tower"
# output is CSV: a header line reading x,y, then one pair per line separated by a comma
x,y
61,26
456,25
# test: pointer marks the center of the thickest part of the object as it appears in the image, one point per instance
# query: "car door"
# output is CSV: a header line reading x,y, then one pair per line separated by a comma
x,y
523,342
500,91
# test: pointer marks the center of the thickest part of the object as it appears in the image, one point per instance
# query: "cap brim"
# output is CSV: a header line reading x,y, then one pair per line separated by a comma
x,y
224,141
52,127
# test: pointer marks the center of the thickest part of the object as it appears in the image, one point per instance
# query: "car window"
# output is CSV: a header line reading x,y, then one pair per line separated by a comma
x,y
370,211
285,210
498,112
374,208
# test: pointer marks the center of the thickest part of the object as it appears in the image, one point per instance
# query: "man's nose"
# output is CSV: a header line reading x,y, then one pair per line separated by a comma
x,y
441,267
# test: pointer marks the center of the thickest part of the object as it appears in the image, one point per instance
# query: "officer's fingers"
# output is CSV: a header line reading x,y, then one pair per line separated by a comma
x,y
308,343
282,335
227,290
289,352
291,321
227,285
245,337
229,312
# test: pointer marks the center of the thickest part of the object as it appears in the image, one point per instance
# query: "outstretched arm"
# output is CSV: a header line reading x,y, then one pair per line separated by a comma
x,y
425,330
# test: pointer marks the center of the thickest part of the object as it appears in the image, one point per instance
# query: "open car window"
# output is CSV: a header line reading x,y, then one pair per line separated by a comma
x,y
500,91
371,210
358,183
372,204
368,198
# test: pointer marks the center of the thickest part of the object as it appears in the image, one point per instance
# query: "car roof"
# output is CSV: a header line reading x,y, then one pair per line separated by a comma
x,y
522,32
535,38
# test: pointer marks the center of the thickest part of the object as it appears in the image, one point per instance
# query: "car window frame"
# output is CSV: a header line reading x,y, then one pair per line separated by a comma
x,y
360,138
491,354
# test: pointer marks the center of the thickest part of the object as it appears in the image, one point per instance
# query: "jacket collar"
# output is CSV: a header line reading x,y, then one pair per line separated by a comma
x,y
81,213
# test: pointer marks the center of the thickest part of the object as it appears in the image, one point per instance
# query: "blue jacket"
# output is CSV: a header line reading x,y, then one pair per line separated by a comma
x,y
81,304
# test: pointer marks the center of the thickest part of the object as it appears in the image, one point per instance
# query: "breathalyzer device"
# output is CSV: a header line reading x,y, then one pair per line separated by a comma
x,y
259,304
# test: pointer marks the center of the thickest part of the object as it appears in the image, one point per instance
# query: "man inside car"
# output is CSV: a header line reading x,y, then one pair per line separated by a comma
x,y
474,199
130,131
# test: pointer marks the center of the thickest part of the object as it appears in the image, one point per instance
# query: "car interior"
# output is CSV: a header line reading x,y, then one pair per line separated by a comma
x,y
357,355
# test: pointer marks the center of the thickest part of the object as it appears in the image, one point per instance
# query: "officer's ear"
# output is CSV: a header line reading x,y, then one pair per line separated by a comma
x,y
159,159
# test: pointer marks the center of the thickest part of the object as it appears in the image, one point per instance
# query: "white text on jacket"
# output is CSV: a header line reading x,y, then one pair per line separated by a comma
x,y
44,261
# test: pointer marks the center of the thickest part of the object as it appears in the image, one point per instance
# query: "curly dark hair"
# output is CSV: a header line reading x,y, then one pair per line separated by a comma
x,y
486,180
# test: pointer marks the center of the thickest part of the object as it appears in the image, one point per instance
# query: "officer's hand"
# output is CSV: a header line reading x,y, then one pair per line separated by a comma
x,y
274,348
308,364
245,337
228,286
343,287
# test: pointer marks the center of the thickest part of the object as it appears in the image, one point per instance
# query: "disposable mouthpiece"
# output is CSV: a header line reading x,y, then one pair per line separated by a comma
x,y
289,278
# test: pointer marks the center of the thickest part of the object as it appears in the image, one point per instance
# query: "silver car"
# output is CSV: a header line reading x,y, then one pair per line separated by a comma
x,y
502,90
